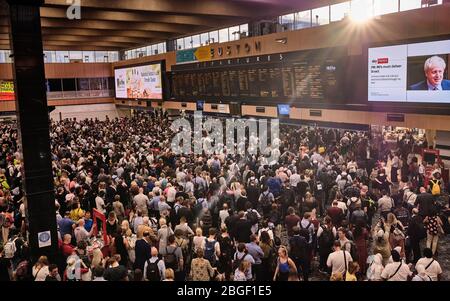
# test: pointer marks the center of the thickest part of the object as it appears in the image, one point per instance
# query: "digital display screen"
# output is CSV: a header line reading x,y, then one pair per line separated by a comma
x,y
284,110
7,90
301,76
139,82
415,73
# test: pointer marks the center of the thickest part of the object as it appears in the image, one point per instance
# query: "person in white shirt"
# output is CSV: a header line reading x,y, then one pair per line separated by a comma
x,y
223,214
421,274
100,202
141,200
396,271
153,259
375,268
171,192
432,267
338,260
294,179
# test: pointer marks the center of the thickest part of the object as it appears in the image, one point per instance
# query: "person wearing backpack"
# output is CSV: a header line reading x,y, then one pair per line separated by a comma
x,y
299,250
243,255
154,267
326,235
306,227
173,258
265,201
435,184
212,247
253,216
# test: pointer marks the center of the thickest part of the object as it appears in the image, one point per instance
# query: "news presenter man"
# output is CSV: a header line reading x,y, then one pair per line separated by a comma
x,y
434,68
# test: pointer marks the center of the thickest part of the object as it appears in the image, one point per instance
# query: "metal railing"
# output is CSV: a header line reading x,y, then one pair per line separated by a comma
x,y
80,94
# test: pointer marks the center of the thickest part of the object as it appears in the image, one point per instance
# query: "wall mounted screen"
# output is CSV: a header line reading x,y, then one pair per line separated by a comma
x,y
414,73
139,82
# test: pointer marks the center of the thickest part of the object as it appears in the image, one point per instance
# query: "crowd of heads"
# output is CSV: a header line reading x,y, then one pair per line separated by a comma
x,y
224,216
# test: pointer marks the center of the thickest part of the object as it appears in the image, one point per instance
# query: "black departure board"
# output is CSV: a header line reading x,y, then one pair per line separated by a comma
x,y
302,76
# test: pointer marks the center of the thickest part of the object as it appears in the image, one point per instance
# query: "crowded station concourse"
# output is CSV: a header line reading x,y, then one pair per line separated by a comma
x,y
117,162
228,217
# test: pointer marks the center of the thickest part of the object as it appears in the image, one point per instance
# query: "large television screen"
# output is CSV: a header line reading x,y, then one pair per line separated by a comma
x,y
139,82
6,90
412,73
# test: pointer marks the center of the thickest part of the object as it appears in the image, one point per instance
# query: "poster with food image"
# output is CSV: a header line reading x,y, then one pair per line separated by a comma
x,y
140,82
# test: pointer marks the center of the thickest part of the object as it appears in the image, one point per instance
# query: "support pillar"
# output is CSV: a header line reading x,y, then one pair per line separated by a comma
x,y
33,126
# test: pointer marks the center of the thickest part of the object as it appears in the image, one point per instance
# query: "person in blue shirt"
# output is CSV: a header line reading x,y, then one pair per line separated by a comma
x,y
66,225
257,253
88,221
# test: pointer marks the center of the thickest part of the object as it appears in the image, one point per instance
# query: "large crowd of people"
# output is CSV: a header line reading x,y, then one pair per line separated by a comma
x,y
338,205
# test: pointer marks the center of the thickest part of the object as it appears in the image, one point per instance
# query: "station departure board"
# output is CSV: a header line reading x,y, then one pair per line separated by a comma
x,y
304,76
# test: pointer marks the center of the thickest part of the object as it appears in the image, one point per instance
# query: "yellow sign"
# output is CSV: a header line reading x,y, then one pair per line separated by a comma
x,y
203,53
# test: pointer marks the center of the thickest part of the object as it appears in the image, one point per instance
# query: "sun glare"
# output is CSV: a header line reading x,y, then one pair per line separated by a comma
x,y
361,11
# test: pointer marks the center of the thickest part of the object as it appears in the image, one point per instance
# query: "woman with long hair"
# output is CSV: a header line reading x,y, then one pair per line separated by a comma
x,y
40,270
267,245
396,234
284,265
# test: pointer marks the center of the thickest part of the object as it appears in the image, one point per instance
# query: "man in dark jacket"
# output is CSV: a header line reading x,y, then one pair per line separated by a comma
x,y
425,201
299,252
416,232
242,229
142,250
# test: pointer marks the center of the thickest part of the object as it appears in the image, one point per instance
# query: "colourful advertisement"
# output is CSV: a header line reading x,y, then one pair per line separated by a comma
x,y
7,90
140,82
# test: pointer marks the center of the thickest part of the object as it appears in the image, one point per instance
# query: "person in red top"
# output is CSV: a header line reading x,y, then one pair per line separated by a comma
x,y
336,214
66,248
291,221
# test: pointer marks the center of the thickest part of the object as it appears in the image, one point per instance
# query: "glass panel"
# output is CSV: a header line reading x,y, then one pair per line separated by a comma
x,y
244,30
321,16
340,11
180,44
88,56
234,33
75,55
204,38
382,7
95,83
62,56
69,84
287,21
214,36
361,9
196,41
161,47
100,56
54,85
410,4
302,19
188,42
223,35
